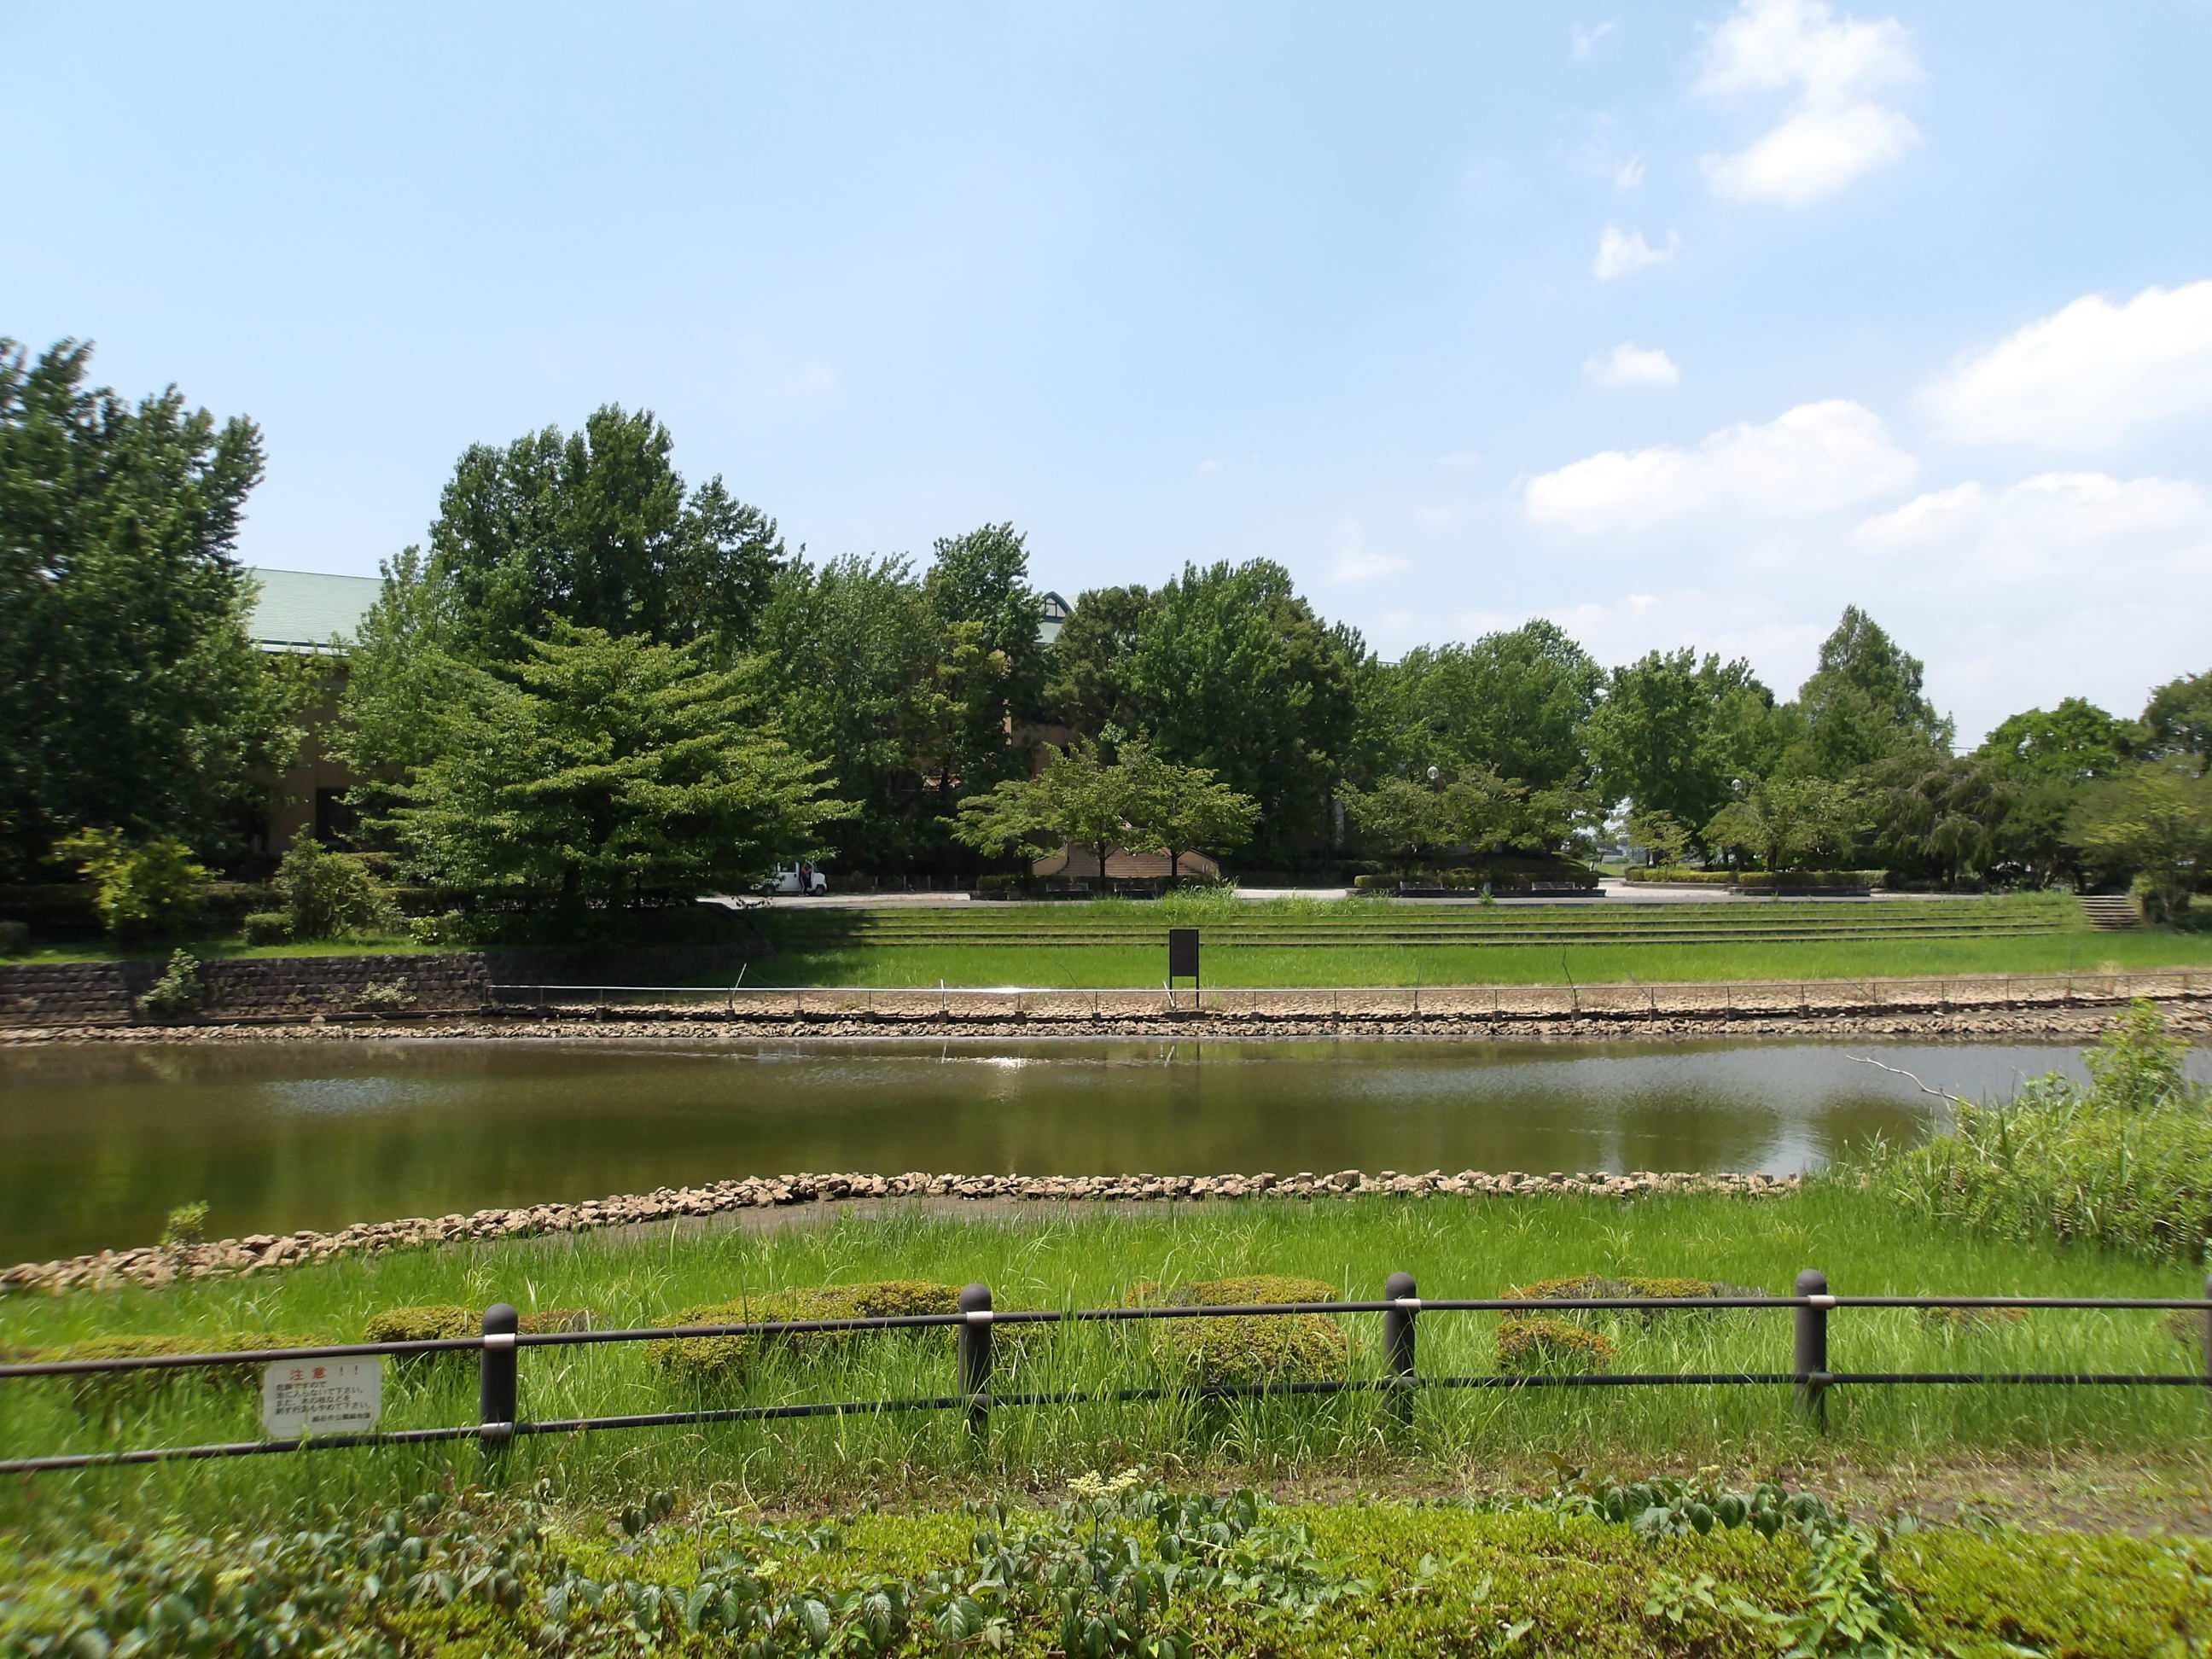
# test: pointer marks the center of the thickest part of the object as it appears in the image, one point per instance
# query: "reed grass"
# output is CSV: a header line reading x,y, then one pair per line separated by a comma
x,y
1455,1248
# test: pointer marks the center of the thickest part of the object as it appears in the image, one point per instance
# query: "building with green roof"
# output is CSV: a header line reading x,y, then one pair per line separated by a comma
x,y
311,613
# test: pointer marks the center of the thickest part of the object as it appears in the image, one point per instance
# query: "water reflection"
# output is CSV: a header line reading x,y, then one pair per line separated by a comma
x,y
98,1141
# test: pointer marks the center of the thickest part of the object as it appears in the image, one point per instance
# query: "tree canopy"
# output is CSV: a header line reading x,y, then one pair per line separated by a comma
x,y
601,767
131,695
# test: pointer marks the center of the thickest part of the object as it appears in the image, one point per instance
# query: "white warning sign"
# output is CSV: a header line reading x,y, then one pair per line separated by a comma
x,y
339,1397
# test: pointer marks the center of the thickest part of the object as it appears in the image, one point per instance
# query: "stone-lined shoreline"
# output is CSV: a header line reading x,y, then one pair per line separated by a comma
x,y
158,1265
2190,1016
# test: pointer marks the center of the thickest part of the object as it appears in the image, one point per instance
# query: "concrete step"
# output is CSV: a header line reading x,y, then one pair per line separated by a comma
x,y
2111,913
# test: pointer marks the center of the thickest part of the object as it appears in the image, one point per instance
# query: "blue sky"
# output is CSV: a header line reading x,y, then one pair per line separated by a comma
x,y
1681,324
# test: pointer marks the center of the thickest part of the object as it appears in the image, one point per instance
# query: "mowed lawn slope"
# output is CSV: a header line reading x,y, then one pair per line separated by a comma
x,y
1353,942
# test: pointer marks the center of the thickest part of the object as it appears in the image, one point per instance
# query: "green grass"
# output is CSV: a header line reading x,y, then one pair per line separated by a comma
x,y
1354,965
1454,1246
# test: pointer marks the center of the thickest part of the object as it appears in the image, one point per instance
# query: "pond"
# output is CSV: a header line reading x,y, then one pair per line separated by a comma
x,y
97,1141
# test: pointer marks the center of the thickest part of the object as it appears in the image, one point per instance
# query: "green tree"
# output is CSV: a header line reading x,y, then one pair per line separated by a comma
x,y
1944,815
1514,703
1402,814
1080,798
1863,702
1782,819
2153,819
595,527
2178,721
2071,743
604,766
853,654
1181,809
1232,671
1660,833
142,889
1675,733
1087,670
130,691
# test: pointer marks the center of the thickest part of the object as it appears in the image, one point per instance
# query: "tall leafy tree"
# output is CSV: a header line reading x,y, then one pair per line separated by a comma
x,y
1080,796
978,587
602,767
1864,702
2152,819
1232,671
852,653
1514,703
2177,722
2071,743
595,527
1947,816
1088,670
131,695
1676,733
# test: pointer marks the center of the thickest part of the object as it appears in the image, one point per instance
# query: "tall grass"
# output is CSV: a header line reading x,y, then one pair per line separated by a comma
x,y
1454,1246
2124,1161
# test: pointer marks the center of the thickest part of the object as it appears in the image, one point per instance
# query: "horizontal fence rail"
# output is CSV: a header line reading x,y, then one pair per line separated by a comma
x,y
500,1346
1662,999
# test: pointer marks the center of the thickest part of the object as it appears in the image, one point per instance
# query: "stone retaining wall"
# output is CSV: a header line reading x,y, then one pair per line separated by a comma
x,y
156,1264
51,993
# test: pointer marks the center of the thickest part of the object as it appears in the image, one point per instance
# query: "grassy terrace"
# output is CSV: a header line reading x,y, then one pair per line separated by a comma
x,y
1365,942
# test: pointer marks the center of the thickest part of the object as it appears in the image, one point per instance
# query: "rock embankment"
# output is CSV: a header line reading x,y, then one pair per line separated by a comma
x,y
2083,1020
156,1265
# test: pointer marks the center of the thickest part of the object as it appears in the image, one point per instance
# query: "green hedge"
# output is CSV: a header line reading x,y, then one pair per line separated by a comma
x,y
1679,876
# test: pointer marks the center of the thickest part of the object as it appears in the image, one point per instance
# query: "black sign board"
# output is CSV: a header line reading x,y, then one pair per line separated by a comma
x,y
1183,952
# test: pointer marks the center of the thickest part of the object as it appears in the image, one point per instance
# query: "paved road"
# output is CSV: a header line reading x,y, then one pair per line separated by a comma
x,y
1616,892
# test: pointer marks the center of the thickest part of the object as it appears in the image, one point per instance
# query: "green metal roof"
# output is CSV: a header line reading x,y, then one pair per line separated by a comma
x,y
306,610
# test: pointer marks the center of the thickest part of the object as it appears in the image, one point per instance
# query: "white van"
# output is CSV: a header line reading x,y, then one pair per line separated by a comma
x,y
797,879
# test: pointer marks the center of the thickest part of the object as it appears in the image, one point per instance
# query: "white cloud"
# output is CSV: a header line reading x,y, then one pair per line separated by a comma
x,y
1835,128
1354,563
1629,174
1585,40
2058,527
2089,375
1629,364
1812,459
1461,460
1210,465
1622,252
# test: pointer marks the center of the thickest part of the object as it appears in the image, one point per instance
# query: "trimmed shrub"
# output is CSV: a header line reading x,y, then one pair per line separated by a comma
x,y
266,927
726,1361
1244,1349
14,937
442,1320
1545,1345
103,1393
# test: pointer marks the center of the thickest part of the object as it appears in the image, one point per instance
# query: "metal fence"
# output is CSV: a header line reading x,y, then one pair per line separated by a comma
x,y
499,1349
1703,1000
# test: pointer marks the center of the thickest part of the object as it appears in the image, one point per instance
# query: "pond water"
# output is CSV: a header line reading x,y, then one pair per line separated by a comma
x,y
97,1141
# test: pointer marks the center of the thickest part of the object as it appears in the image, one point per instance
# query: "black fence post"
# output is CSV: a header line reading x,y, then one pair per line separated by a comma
x,y
1398,1344
496,1379
2207,1329
976,1358
1813,1346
